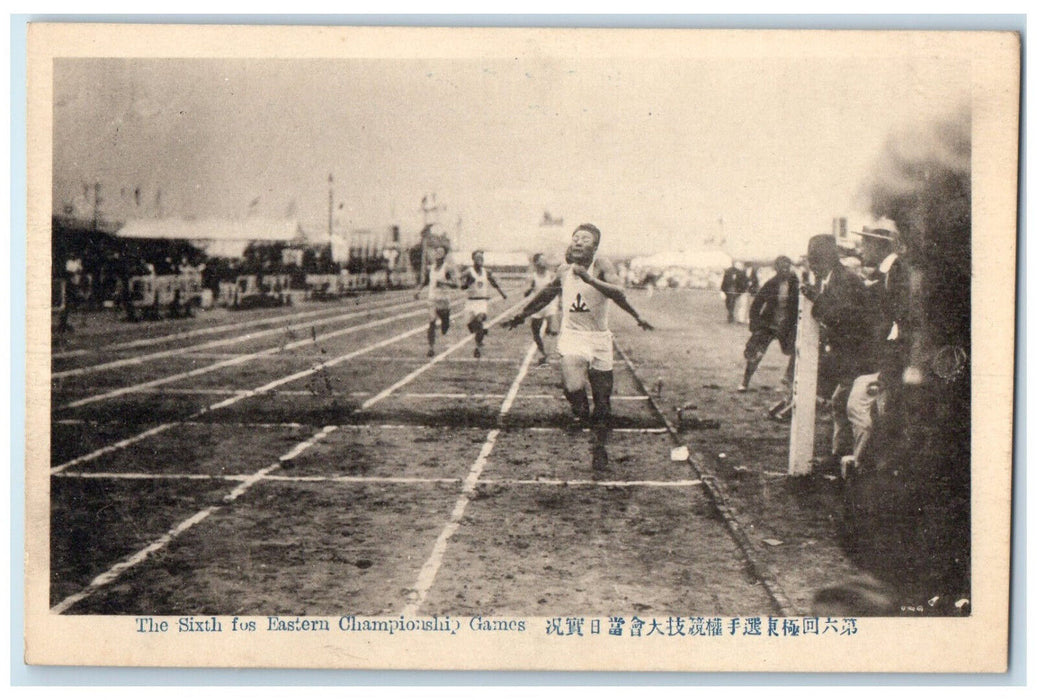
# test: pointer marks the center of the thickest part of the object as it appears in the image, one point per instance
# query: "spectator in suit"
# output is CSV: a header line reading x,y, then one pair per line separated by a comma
x,y
842,310
753,281
733,286
887,291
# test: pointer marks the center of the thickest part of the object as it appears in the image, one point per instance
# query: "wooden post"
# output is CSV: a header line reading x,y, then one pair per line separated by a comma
x,y
804,391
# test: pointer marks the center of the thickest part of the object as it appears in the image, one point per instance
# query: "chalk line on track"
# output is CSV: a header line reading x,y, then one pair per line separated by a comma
x,y
427,575
209,330
348,479
247,337
180,391
394,360
115,571
714,492
361,394
367,426
121,391
463,360
139,556
434,361
248,393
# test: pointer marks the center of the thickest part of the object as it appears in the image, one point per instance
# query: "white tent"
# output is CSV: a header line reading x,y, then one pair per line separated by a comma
x,y
681,268
217,237
494,258
689,259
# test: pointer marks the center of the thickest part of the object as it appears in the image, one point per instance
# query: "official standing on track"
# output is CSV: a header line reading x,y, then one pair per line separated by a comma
x,y
585,284
477,280
440,278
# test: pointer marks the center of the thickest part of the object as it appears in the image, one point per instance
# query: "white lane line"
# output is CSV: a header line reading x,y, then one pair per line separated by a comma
x,y
117,570
236,398
354,394
648,483
642,431
363,426
193,423
476,360
150,476
176,391
433,362
126,442
358,394
136,558
292,330
233,361
358,426
209,330
348,479
428,572
559,397
313,370
182,476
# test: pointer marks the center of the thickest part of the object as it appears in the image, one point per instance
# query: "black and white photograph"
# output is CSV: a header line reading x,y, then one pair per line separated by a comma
x,y
603,349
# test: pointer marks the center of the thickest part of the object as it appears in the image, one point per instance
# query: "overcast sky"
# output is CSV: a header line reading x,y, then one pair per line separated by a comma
x,y
657,153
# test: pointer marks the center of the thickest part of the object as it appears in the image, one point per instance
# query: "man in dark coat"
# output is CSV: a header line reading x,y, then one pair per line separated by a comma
x,y
888,294
733,286
841,308
772,316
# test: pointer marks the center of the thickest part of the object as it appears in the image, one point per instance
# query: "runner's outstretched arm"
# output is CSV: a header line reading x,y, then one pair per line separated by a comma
x,y
544,297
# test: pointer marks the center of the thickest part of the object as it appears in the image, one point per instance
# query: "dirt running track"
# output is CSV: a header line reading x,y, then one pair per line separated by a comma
x,y
331,471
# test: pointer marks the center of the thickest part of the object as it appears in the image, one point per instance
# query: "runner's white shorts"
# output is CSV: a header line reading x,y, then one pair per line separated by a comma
x,y
475,307
595,347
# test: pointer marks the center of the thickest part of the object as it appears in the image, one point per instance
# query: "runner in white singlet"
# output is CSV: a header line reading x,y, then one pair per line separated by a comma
x,y
541,277
440,278
585,342
478,280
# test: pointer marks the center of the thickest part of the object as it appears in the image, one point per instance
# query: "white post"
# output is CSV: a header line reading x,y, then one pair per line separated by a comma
x,y
804,391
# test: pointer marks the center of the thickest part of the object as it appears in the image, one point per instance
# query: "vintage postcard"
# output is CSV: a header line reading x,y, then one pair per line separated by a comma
x,y
551,349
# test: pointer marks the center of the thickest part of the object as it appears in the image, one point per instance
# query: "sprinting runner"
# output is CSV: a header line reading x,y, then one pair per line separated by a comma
x,y
585,342
478,280
540,278
440,278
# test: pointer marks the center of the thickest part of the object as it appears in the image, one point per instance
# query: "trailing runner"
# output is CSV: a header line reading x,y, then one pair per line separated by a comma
x,y
477,280
440,278
540,277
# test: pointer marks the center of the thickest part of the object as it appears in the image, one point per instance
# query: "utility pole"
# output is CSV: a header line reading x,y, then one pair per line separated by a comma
x,y
97,204
331,199
428,206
